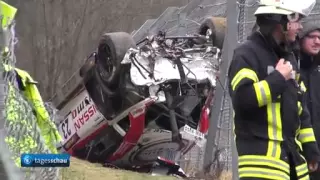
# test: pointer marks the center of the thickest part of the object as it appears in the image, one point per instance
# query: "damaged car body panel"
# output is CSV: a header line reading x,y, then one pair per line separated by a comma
x,y
142,101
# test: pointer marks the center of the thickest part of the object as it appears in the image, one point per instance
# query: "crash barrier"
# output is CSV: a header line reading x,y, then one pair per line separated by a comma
x,y
19,131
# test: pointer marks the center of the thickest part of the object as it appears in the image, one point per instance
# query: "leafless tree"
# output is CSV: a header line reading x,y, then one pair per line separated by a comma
x,y
56,35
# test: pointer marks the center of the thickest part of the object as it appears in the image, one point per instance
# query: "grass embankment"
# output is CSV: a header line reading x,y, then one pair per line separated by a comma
x,y
82,170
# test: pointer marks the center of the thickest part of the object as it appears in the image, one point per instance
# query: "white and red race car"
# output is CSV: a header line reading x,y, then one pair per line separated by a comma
x,y
142,101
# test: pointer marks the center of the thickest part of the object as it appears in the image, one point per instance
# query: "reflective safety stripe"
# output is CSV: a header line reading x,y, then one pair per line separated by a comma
x,y
263,93
262,173
303,87
306,135
306,177
244,73
234,127
298,143
296,139
299,108
264,161
302,169
274,130
302,157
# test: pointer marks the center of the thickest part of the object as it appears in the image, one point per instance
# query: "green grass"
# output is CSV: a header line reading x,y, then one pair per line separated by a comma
x,y
82,170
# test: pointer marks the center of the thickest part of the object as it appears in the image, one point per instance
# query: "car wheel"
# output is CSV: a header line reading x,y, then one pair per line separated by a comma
x,y
215,28
111,51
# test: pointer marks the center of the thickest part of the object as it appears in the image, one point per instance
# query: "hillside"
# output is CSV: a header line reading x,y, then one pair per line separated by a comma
x,y
82,170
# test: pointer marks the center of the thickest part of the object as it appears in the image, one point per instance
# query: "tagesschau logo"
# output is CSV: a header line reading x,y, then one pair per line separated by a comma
x,y
45,160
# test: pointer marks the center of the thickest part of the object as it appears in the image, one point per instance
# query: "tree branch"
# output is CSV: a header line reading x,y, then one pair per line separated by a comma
x,y
75,45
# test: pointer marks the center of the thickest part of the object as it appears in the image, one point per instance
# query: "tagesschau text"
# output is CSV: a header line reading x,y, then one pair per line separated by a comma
x,y
45,160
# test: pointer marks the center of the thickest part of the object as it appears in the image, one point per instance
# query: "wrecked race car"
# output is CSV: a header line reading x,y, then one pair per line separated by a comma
x,y
143,102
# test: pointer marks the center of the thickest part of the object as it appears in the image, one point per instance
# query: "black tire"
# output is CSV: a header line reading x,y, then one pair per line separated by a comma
x,y
111,51
90,69
218,27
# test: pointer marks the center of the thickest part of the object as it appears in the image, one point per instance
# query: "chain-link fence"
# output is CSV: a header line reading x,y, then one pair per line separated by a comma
x,y
19,130
174,21
187,20
7,168
241,22
178,22
220,135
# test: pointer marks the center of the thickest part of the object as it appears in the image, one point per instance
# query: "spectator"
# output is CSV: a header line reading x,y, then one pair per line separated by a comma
x,y
310,72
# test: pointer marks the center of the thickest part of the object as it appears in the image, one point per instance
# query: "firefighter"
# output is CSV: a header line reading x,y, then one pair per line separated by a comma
x,y
274,137
310,72
28,89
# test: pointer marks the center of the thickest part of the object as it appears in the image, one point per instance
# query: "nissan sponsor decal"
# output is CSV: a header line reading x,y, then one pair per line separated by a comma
x,y
83,112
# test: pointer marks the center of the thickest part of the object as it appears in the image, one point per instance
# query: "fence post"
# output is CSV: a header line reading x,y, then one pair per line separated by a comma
x,y
227,53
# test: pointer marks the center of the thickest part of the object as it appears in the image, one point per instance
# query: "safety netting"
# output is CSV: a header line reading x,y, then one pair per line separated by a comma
x,y
19,130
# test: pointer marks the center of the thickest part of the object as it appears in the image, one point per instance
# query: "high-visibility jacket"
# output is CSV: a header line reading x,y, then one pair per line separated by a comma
x,y
47,127
48,130
272,123
8,12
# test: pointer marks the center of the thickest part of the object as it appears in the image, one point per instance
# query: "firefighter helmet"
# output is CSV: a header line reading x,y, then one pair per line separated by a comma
x,y
286,7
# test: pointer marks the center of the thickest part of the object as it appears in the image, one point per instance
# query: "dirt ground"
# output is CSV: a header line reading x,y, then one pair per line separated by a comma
x,y
82,170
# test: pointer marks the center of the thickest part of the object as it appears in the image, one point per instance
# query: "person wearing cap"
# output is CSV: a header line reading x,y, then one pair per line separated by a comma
x,y
309,60
273,132
27,86
309,41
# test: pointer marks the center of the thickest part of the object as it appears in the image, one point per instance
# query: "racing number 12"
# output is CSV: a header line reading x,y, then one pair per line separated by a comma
x,y
66,129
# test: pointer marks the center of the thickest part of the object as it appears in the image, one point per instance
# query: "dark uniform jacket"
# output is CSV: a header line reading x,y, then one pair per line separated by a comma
x,y
271,119
310,72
